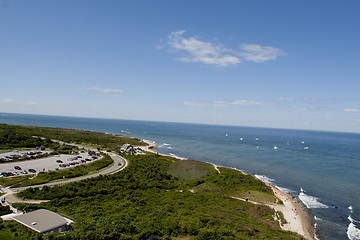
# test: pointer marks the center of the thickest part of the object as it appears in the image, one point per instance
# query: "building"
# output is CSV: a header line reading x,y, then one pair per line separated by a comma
x,y
43,221
128,148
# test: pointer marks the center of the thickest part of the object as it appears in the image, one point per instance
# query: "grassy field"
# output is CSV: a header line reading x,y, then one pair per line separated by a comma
x,y
189,169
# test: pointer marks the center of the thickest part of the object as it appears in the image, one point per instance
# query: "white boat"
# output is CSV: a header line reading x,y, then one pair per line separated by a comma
x,y
226,135
257,139
241,139
306,148
302,142
275,147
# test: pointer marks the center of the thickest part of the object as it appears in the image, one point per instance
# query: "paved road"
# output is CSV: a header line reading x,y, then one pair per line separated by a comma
x,y
120,164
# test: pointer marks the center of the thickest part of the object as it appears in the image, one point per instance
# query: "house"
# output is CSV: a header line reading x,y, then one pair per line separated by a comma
x,y
128,148
44,221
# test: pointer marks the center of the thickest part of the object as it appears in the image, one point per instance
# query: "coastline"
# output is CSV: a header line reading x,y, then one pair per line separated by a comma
x,y
295,216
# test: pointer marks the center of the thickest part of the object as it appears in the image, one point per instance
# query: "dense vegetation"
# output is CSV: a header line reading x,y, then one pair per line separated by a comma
x,y
145,200
21,136
154,196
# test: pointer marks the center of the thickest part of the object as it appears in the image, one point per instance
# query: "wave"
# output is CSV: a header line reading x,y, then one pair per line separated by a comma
x,y
173,155
310,201
264,178
350,208
284,190
353,233
166,144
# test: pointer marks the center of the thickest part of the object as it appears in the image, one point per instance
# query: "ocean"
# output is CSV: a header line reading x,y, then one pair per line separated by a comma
x,y
319,169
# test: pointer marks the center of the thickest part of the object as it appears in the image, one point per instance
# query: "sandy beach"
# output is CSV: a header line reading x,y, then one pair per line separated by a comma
x,y
296,219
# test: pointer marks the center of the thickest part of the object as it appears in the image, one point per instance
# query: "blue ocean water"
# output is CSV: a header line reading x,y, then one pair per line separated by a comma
x,y
326,165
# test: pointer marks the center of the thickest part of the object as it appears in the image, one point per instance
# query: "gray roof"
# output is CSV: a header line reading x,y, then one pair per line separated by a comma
x,y
41,220
126,145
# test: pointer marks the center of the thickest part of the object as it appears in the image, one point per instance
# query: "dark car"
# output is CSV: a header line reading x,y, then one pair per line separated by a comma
x,y
83,161
32,170
72,163
17,168
5,174
59,161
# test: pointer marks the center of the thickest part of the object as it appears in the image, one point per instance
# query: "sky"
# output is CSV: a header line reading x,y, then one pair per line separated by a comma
x,y
278,64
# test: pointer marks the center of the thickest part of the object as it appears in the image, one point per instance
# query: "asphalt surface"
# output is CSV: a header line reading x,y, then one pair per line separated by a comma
x,y
119,164
42,164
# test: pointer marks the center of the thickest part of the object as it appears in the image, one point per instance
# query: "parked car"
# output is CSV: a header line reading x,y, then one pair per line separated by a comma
x,y
83,161
32,170
59,161
5,174
17,167
72,163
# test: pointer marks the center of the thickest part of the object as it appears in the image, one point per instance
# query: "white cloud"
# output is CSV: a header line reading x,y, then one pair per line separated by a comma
x,y
209,53
200,51
12,101
351,110
109,91
240,103
196,104
236,103
104,90
257,53
286,99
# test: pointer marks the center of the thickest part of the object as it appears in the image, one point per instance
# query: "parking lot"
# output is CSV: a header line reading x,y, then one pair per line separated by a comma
x,y
44,164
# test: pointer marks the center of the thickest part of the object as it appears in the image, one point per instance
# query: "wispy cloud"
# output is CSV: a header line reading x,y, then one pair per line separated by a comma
x,y
108,91
12,101
200,51
354,110
236,103
196,104
240,103
313,100
257,53
195,50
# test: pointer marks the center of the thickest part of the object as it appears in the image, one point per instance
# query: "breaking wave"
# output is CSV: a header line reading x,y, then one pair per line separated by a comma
x,y
310,201
353,233
264,178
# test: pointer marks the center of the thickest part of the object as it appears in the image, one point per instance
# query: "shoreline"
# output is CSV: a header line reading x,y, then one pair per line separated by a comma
x,y
294,214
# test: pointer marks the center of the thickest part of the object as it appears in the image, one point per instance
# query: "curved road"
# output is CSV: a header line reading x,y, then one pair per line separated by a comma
x,y
120,163
115,168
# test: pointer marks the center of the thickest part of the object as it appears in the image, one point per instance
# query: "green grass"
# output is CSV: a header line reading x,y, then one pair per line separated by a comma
x,y
188,169
4,235
145,200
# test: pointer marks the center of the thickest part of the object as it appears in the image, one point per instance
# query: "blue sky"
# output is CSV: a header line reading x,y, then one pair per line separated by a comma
x,y
281,64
